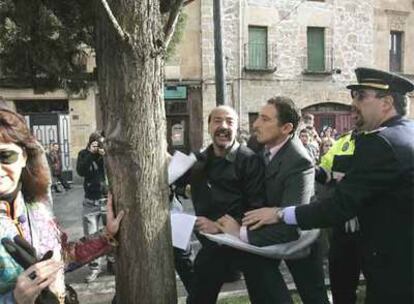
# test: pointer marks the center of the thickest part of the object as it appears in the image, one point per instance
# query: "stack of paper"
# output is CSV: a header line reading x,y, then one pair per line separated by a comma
x,y
182,225
292,250
179,164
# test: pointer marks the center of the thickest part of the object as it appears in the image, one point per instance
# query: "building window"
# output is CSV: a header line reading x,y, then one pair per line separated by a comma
x,y
396,51
316,49
257,48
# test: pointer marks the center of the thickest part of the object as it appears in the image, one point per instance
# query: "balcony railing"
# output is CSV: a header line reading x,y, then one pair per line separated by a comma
x,y
260,57
326,68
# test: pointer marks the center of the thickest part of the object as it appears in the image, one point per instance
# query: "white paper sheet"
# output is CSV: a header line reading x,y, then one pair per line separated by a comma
x,y
179,164
291,250
182,225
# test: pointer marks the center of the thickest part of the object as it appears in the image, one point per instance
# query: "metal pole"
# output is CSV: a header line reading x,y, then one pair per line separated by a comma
x,y
218,54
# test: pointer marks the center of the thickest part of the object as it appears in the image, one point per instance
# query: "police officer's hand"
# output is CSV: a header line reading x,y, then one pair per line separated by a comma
x,y
259,217
112,222
206,225
32,281
229,225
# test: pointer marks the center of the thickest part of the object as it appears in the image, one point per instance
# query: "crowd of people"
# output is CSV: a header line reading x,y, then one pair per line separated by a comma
x,y
317,144
262,194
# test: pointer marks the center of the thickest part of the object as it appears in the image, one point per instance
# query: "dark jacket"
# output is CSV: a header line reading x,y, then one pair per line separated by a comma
x,y
91,167
379,189
289,179
55,164
230,185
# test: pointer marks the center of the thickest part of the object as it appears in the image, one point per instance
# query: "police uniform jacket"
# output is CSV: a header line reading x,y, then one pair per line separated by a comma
x,y
379,189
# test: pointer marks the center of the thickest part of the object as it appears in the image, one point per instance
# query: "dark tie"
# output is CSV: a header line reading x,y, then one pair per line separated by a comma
x,y
267,156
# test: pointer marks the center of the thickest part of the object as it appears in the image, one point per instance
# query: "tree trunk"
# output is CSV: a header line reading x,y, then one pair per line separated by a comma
x,y
130,83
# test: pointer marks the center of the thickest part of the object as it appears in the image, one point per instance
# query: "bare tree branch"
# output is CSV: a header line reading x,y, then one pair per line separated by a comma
x,y
187,2
172,21
121,33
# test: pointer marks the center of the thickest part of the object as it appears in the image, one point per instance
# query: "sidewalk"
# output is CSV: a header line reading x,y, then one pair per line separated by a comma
x,y
68,210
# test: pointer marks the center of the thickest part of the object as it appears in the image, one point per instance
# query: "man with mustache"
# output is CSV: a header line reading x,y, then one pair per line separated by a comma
x,y
378,188
228,179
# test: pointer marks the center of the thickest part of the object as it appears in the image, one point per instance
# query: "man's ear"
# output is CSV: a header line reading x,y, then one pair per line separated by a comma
x,y
388,102
287,128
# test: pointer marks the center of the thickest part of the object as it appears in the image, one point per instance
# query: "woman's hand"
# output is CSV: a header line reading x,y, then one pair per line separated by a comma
x,y
112,222
33,280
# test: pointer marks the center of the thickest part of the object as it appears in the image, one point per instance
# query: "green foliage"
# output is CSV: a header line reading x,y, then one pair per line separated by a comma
x,y
42,43
177,36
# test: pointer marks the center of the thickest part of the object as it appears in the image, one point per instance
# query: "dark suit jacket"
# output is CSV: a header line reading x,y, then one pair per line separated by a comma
x,y
379,189
289,180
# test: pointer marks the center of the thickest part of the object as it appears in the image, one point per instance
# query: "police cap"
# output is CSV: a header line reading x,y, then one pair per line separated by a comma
x,y
381,80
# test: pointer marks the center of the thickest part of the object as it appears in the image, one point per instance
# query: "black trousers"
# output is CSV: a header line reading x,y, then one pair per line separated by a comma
x,y
263,279
344,266
184,267
309,276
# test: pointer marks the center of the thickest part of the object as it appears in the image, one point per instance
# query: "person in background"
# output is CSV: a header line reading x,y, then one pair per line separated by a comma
x,y
308,120
334,133
56,167
26,213
305,138
326,144
90,165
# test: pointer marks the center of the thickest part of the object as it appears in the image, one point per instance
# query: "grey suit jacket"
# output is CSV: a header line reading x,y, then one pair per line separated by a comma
x,y
289,180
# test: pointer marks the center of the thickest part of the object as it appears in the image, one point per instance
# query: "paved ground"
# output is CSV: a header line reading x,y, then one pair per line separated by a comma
x,y
68,209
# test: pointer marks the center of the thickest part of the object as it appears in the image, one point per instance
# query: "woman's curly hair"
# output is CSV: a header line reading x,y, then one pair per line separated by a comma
x,y
35,178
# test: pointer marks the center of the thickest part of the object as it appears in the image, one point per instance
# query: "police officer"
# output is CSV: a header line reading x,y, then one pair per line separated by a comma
x,y
344,254
379,188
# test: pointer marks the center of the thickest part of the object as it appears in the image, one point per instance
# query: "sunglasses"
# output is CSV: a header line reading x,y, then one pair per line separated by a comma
x,y
8,157
361,94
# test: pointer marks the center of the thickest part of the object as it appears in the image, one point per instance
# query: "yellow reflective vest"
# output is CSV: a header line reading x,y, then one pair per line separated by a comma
x,y
338,158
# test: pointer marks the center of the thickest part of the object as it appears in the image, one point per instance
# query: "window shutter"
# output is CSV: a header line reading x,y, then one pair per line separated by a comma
x,y
316,49
396,51
257,47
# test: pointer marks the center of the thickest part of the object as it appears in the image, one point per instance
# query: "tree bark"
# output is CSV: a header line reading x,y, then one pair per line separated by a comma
x,y
130,84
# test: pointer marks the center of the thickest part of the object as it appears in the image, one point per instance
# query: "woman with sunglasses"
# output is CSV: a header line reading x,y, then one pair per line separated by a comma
x,y
25,212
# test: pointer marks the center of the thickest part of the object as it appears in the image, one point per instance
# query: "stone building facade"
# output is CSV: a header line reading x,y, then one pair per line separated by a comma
x,y
58,116
352,33
373,33
183,74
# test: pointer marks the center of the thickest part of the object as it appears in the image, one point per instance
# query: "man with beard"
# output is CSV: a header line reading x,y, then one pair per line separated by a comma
x,y
228,179
378,188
